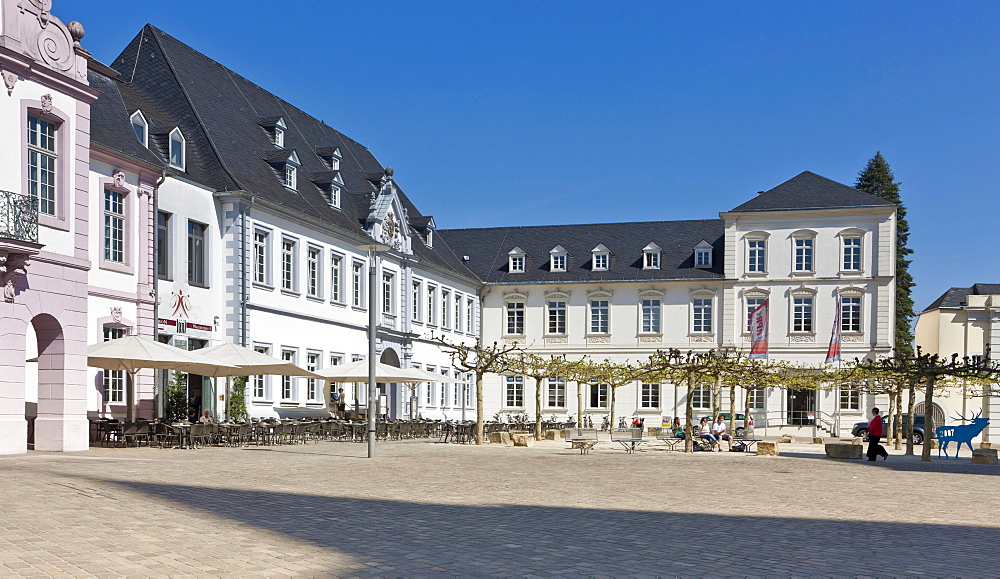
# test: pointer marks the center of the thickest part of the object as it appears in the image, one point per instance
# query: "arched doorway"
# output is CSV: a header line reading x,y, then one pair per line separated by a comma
x,y
938,414
389,393
60,424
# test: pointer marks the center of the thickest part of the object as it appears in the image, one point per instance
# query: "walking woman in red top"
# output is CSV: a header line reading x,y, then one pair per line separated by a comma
x,y
874,433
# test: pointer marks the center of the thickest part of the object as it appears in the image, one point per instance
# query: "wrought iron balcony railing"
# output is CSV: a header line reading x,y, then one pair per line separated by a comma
x,y
18,217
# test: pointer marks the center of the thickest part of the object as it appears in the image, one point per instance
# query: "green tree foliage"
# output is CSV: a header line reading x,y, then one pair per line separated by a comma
x,y
877,178
175,394
238,399
539,368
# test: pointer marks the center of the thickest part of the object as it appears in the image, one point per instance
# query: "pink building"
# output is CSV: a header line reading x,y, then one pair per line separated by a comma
x,y
65,282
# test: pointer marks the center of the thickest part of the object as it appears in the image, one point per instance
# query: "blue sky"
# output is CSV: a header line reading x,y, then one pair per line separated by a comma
x,y
517,113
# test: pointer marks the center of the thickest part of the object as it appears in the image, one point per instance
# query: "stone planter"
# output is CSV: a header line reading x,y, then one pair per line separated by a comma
x,y
985,445
984,456
554,434
787,439
500,438
818,440
524,440
841,450
767,448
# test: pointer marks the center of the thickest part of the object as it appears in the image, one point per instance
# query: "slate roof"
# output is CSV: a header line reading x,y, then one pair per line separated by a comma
x,y
110,125
957,296
219,111
808,190
487,250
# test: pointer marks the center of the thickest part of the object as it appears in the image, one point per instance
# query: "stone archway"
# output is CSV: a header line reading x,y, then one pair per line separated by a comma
x,y
61,423
389,357
939,415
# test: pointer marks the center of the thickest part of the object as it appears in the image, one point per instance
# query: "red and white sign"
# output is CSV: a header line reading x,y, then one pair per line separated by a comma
x,y
758,330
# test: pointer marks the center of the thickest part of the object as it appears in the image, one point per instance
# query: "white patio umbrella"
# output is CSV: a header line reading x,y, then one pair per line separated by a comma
x,y
133,353
358,372
248,362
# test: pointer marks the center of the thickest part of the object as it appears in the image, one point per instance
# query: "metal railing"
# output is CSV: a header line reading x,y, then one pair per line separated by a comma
x,y
18,216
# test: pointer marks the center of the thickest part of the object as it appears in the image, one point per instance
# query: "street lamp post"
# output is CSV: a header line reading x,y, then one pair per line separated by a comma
x,y
372,249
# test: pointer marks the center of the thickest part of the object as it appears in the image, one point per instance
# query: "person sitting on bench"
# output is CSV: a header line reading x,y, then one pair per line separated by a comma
x,y
705,431
678,429
719,430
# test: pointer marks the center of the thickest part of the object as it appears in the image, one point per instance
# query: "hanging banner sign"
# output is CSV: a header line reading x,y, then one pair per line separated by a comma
x,y
758,331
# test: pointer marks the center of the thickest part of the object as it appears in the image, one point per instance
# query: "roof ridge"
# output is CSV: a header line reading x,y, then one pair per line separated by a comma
x,y
509,227
187,97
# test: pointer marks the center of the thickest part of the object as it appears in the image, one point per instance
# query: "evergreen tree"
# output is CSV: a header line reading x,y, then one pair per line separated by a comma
x,y
877,179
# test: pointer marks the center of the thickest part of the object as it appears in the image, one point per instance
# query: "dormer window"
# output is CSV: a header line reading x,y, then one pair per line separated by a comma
x,y
275,128
290,177
703,255
141,128
177,153
601,258
557,259
651,256
331,157
286,166
516,258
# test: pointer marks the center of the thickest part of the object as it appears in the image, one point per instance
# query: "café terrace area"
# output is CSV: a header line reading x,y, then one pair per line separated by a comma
x,y
424,507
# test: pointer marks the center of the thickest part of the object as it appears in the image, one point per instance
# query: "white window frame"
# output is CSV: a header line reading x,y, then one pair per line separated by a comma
x,y
851,306
804,252
555,392
650,314
445,308
289,383
388,292
601,392
290,179
336,278
803,309
431,304
114,248
289,264
314,271
650,395
416,299
314,386
261,388
750,303
594,315
600,258
261,256
651,256
852,251
756,244
849,397
701,397
513,392
555,316
470,316
139,120
514,317
703,258
176,136
358,284
699,324
458,325
558,259
43,162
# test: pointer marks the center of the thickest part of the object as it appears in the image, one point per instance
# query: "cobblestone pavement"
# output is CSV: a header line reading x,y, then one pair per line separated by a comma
x,y
424,508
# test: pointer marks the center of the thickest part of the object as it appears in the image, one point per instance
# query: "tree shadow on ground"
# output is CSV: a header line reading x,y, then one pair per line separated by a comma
x,y
412,537
961,465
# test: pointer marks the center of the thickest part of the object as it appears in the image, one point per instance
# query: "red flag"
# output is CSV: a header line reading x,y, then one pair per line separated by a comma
x,y
833,352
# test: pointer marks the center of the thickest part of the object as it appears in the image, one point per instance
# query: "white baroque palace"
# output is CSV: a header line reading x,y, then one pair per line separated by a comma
x,y
624,290
166,196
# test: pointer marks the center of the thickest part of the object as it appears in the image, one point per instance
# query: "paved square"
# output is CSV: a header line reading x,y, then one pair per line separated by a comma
x,y
423,508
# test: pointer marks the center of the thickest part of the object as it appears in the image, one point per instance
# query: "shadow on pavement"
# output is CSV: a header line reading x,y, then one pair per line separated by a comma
x,y
413,537
961,465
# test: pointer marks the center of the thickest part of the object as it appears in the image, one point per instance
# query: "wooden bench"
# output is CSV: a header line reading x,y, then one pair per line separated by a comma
x,y
629,438
581,438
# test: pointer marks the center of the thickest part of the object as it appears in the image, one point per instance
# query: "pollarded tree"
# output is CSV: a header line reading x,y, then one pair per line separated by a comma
x,y
931,370
890,383
877,178
689,368
538,368
615,375
479,360
757,374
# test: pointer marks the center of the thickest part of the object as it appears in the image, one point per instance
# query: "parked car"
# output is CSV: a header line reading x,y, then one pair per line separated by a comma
x,y
740,430
861,428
